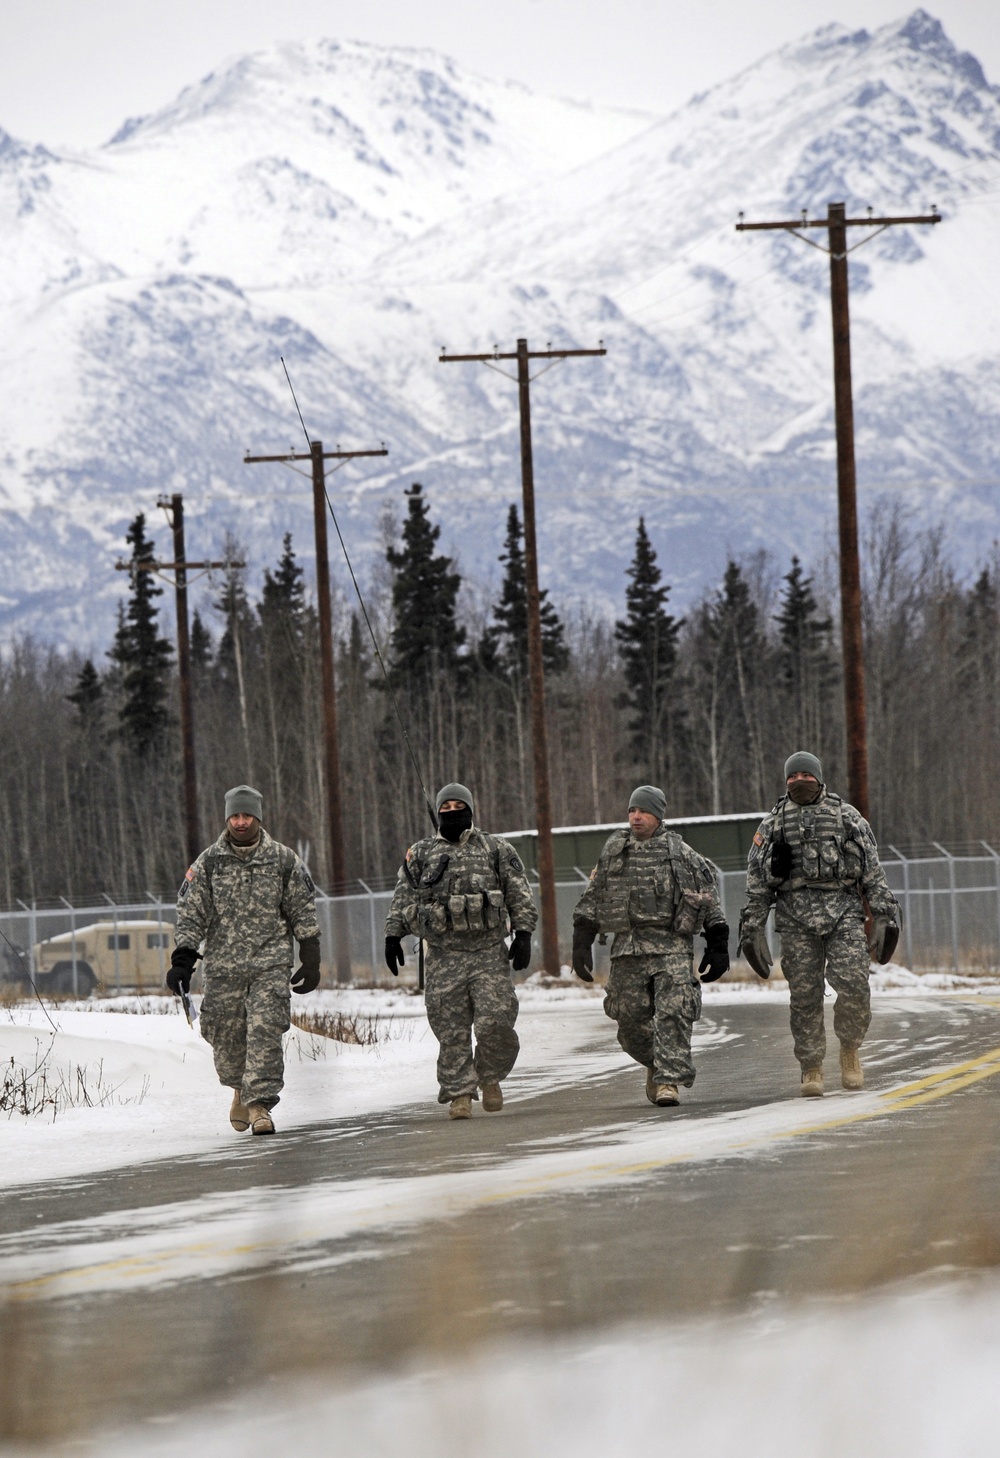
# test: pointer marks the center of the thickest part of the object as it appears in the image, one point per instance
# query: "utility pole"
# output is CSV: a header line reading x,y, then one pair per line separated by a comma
x,y
180,566
334,806
536,675
836,224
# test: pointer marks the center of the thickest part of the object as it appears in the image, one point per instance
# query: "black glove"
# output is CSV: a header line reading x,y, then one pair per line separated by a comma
x,y
394,958
781,860
181,969
519,951
716,959
584,933
306,976
884,939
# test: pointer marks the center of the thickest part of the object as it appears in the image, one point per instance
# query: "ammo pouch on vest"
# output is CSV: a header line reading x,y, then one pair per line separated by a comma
x,y
470,911
690,911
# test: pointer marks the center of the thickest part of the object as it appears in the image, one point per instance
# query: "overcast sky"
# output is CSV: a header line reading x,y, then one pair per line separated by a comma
x,y
72,70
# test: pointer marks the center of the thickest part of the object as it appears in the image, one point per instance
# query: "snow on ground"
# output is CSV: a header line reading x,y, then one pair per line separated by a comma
x,y
905,1374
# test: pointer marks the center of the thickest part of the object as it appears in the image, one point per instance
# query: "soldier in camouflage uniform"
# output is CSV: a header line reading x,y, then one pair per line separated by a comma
x,y
653,892
245,897
456,890
814,859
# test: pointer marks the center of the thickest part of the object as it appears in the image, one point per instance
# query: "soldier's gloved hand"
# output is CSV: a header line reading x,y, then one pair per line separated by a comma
x,y
584,933
754,947
306,977
715,962
519,951
182,963
883,940
394,958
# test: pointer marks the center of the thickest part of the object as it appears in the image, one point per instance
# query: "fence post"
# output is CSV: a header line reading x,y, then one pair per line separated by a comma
x,y
72,932
907,929
31,942
954,901
371,923
114,913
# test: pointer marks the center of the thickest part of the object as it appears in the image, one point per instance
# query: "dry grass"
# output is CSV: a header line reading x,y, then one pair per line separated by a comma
x,y
45,1088
363,1029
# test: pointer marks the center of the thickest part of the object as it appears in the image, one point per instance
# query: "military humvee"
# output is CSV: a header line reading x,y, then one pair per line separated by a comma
x,y
128,956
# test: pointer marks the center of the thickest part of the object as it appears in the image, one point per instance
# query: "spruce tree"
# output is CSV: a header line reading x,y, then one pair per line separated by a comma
x,y
201,647
88,696
647,646
505,643
426,638
805,663
283,601
141,655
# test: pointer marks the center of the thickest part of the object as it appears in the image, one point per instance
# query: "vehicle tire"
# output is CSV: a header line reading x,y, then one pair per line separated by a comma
x,y
60,979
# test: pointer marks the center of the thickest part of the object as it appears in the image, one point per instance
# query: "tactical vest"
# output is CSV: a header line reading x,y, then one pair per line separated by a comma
x,y
825,855
657,887
455,888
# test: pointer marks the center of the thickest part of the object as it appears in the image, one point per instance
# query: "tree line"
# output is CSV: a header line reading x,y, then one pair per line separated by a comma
x,y
706,705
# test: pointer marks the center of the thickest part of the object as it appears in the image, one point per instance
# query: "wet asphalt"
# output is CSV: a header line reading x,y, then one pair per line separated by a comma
x,y
826,1214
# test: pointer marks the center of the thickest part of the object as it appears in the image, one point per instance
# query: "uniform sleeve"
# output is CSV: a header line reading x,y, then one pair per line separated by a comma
x,y
760,895
715,916
873,881
395,922
516,892
298,904
585,910
194,906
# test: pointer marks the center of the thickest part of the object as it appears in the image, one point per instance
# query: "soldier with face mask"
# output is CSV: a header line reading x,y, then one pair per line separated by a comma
x,y
457,890
815,860
653,892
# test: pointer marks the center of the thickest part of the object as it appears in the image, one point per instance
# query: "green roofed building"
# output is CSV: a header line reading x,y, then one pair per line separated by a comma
x,y
723,839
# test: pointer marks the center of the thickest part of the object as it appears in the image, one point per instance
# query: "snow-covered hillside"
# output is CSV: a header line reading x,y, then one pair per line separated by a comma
x,y
353,208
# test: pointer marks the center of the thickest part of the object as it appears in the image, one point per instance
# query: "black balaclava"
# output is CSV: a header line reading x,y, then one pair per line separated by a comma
x,y
452,823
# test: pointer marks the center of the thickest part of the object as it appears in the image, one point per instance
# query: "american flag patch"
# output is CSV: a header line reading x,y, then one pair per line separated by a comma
x,y
758,839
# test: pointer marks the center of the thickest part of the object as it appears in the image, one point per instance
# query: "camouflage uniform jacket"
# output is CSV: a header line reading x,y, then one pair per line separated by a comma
x,y
463,891
834,862
654,895
246,908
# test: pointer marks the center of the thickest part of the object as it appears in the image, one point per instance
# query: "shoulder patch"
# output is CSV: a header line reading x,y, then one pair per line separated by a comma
x,y
758,839
309,883
186,883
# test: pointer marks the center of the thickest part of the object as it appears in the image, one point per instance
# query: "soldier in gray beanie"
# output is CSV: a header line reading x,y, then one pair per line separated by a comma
x,y
654,892
456,891
815,860
245,898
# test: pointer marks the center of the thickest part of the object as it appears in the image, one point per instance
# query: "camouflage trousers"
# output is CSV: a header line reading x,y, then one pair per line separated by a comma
x,y
470,992
656,1000
841,958
244,1015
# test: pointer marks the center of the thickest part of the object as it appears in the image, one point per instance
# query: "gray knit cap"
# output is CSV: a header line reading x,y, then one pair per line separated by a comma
x,y
244,800
649,798
801,763
454,791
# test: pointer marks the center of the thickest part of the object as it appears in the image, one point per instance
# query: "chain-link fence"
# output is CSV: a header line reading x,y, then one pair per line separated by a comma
x,y
950,921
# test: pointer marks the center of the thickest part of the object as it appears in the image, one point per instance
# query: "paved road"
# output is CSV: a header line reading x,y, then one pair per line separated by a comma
x,y
138,1291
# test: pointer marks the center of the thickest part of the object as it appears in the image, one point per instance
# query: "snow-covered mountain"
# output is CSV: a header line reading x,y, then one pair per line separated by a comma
x,y
352,208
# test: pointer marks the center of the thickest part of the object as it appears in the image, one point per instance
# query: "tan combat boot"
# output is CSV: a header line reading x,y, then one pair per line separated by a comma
x,y
239,1115
461,1108
650,1086
666,1095
851,1073
492,1097
260,1119
812,1083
